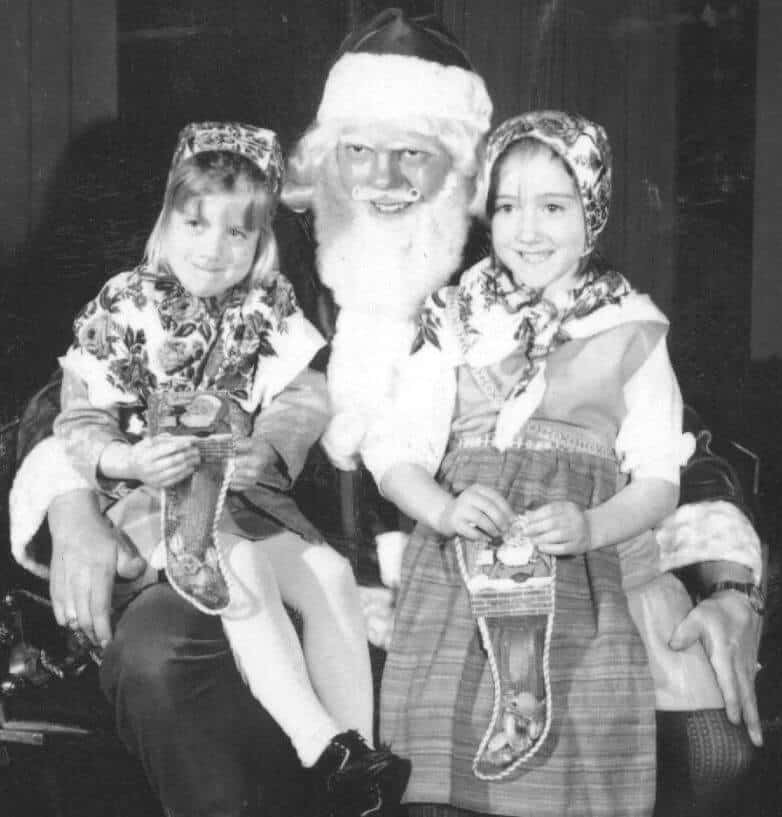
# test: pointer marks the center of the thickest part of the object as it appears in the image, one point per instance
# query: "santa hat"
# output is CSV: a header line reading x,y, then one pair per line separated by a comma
x,y
396,68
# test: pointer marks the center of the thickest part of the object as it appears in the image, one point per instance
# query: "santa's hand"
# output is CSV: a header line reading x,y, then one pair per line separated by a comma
x,y
477,511
254,457
559,528
84,563
729,630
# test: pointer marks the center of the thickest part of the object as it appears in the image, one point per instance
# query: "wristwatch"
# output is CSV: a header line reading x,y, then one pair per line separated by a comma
x,y
756,596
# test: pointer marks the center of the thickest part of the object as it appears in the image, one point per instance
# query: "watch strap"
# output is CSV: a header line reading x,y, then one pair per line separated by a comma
x,y
750,590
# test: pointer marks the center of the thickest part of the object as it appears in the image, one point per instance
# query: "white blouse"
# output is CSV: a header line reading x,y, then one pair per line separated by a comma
x,y
415,426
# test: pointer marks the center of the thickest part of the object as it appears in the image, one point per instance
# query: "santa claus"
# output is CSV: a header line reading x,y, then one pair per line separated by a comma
x,y
389,170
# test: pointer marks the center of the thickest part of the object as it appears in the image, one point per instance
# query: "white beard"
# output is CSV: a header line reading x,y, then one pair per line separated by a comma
x,y
388,263
380,267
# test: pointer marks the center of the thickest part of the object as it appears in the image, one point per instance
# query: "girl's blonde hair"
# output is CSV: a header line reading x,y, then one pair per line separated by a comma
x,y
217,172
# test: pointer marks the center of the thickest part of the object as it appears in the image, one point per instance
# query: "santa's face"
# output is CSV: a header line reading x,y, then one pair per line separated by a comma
x,y
390,168
391,217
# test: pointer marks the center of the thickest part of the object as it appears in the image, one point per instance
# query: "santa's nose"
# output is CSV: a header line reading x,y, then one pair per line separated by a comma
x,y
386,173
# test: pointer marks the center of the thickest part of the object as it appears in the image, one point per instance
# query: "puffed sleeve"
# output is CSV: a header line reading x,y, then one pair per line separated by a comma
x,y
412,427
650,443
290,343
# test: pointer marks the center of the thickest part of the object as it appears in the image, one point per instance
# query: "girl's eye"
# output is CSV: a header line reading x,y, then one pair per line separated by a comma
x,y
237,232
356,149
554,208
505,207
412,153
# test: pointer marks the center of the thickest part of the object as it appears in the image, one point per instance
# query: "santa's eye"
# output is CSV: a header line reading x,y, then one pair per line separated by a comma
x,y
356,149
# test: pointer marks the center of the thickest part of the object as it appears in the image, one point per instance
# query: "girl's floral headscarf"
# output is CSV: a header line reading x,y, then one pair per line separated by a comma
x,y
581,144
145,332
488,316
259,145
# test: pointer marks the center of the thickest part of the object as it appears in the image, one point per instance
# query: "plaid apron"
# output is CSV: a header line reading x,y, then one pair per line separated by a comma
x,y
437,693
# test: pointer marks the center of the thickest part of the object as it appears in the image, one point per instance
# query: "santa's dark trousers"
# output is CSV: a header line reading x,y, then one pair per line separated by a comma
x,y
181,707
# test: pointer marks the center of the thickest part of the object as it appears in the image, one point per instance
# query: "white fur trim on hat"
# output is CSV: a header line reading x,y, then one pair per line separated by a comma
x,y
366,87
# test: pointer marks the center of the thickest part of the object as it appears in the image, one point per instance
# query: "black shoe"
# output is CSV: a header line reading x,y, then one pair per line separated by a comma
x,y
356,781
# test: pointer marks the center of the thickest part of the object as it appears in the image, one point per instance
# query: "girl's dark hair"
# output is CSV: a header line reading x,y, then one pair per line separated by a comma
x,y
527,147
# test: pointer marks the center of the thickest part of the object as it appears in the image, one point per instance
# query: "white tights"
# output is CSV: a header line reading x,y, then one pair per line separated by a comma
x,y
325,688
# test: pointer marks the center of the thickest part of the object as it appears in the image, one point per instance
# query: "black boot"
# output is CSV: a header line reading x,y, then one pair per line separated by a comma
x,y
353,780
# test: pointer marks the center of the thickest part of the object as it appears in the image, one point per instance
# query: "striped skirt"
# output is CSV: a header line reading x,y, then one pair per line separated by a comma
x,y
437,690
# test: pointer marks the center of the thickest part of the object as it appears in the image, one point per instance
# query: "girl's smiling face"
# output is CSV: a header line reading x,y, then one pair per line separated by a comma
x,y
211,243
537,223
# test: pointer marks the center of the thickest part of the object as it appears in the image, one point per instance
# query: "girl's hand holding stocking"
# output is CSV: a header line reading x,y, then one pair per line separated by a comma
x,y
477,511
160,461
163,460
559,528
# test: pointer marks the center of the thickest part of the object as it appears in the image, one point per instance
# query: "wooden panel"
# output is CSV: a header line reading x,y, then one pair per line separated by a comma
x,y
766,338
614,61
50,95
15,133
93,62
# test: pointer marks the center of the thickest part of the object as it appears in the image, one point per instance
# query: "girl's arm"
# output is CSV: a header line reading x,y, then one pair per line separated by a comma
x,y
564,528
102,453
651,449
639,506
85,430
477,511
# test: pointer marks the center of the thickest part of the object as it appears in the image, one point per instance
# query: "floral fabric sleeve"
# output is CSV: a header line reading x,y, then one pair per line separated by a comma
x,y
110,341
290,343
102,370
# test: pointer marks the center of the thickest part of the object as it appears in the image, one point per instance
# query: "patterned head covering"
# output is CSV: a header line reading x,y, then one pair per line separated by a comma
x,y
259,145
581,144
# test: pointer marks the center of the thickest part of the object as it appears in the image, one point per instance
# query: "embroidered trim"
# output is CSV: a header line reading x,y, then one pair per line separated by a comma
x,y
541,436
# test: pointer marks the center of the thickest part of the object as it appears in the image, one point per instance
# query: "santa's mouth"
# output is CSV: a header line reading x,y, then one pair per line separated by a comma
x,y
386,201
390,206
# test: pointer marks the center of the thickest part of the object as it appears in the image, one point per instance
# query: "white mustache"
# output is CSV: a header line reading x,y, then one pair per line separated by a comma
x,y
401,196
